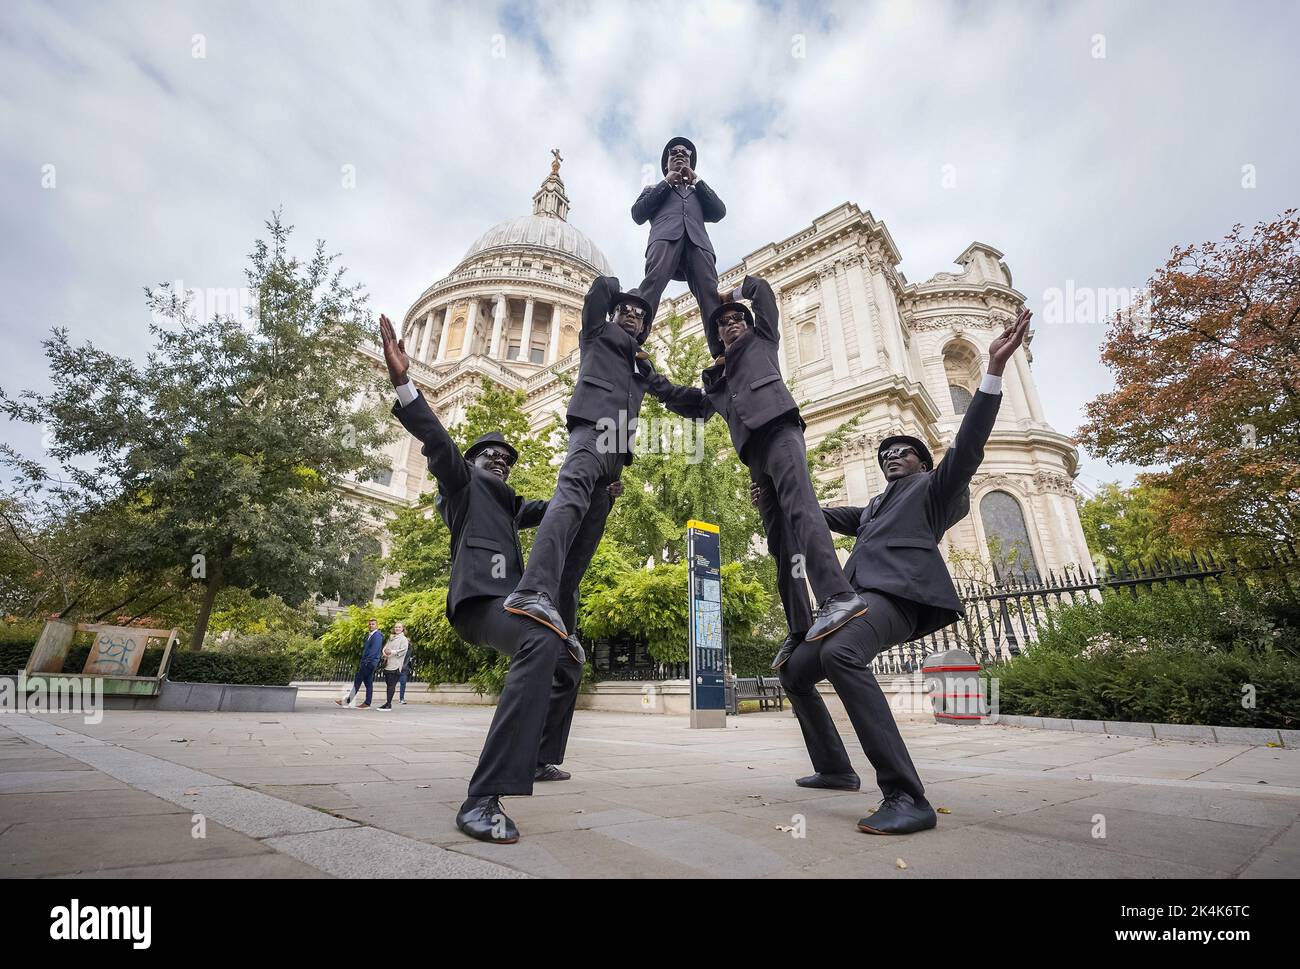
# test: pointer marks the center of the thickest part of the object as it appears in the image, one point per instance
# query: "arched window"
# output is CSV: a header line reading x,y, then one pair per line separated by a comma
x,y
963,365
810,341
456,338
568,339
1007,537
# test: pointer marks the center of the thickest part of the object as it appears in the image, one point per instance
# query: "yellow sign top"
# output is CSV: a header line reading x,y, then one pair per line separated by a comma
x,y
702,526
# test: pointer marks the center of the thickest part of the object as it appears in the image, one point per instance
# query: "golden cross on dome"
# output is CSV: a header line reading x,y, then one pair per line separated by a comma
x,y
555,165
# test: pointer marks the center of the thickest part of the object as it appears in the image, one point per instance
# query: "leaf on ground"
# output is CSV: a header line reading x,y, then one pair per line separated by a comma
x,y
191,791
899,863
943,810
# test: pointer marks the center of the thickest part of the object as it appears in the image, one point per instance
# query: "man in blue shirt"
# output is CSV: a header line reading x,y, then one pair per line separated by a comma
x,y
370,654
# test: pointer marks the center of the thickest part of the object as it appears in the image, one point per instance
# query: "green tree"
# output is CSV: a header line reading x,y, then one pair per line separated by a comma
x,y
421,543
1130,525
222,460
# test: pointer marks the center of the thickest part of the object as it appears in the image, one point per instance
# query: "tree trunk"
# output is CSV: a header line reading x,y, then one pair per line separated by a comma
x,y
215,583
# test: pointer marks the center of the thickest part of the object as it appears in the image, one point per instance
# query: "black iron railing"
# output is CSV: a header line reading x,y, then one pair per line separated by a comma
x,y
1002,619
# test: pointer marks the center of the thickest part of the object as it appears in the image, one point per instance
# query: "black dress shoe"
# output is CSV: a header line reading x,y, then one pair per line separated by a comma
x,y
549,772
831,782
482,819
538,607
787,650
834,613
575,648
899,814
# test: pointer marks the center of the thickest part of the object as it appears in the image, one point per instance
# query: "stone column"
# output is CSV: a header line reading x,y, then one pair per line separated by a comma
x,y
1027,385
471,318
446,332
862,313
891,324
788,333
494,348
553,350
423,354
527,336
834,325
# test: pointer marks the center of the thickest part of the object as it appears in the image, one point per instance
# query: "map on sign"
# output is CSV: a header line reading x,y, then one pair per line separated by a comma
x,y
708,616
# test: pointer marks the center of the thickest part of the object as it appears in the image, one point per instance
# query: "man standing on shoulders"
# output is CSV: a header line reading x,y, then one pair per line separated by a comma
x,y
530,728
896,566
614,375
744,385
370,653
679,246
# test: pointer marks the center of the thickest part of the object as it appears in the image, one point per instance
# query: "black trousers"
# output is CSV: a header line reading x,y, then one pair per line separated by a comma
x,y
535,709
783,544
778,461
390,681
574,521
844,658
663,258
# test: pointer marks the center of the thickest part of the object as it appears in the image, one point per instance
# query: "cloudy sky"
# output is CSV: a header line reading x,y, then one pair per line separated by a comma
x,y
1082,140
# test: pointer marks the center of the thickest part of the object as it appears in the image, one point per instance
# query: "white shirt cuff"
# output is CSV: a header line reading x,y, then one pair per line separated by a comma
x,y
735,293
991,384
406,392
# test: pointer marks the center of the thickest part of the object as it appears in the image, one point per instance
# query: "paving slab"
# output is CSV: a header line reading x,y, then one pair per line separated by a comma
x,y
337,793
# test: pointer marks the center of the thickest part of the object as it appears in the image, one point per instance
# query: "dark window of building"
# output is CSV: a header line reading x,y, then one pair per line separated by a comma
x,y
1007,537
961,398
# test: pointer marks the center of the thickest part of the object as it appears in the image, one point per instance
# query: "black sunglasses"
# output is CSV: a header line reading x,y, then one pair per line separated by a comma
x,y
899,451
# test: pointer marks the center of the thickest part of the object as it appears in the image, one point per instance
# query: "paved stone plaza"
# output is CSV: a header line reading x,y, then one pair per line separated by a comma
x,y
332,792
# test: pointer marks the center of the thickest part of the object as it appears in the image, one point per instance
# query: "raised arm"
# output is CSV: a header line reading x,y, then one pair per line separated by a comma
x,y
647,203
767,318
954,472
595,308
710,204
446,463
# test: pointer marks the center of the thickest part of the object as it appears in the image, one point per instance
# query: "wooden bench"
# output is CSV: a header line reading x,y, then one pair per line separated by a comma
x,y
765,689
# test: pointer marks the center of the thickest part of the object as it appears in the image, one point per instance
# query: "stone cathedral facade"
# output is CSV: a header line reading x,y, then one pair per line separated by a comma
x,y
858,339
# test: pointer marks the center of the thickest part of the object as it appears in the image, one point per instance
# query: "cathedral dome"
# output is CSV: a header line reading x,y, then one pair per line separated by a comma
x,y
546,228
542,232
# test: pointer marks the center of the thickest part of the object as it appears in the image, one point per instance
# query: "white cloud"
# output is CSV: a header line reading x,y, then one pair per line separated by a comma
x,y
1075,167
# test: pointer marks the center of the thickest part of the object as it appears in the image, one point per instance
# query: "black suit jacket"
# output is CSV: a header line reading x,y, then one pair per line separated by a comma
x,y
674,211
897,548
482,511
612,382
747,390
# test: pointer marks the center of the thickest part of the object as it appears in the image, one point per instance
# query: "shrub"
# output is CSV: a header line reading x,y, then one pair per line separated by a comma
x,y
652,604
1175,654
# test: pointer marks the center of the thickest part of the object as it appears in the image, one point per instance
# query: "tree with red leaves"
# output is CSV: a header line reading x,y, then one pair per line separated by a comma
x,y
1207,370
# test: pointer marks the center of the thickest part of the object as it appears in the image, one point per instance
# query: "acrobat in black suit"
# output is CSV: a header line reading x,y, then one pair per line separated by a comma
x,y
679,247
744,385
530,728
614,375
897,568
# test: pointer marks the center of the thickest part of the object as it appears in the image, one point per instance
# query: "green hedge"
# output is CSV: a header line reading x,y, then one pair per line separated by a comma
x,y
245,666
1179,654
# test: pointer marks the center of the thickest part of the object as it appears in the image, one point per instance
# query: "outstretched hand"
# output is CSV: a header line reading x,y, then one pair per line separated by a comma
x,y
394,352
1007,342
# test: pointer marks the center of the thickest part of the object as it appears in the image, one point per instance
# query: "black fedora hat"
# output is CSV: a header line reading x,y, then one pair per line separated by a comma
x,y
690,146
491,438
749,316
916,443
636,299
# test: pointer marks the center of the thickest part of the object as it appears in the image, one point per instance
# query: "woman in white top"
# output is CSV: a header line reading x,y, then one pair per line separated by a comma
x,y
394,656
